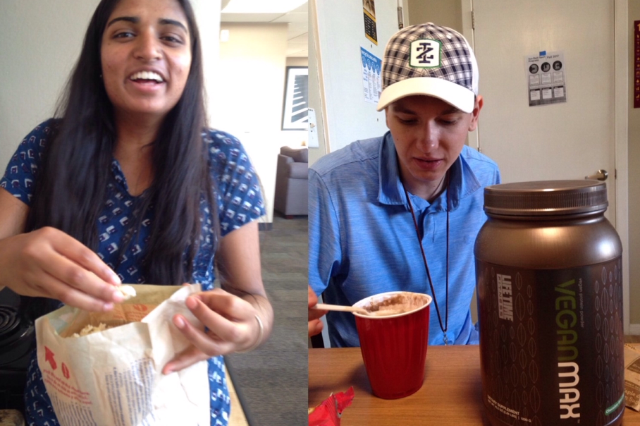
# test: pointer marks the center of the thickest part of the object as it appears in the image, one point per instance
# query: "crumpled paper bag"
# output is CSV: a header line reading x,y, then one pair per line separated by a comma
x,y
632,375
114,377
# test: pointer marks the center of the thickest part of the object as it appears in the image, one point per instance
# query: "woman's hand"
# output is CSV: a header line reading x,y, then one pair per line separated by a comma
x,y
231,323
50,263
228,313
315,325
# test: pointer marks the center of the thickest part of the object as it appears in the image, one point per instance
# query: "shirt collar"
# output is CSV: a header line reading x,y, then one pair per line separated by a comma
x,y
463,180
118,174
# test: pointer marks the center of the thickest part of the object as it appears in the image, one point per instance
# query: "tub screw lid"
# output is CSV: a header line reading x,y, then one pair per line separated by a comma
x,y
546,198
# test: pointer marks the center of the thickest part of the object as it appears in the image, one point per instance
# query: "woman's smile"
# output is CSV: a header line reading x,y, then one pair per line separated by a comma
x,y
147,81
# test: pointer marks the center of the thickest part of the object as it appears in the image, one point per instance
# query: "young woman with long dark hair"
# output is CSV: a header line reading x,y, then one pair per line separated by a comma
x,y
127,184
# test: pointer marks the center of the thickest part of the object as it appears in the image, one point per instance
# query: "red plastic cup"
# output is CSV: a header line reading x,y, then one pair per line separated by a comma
x,y
394,347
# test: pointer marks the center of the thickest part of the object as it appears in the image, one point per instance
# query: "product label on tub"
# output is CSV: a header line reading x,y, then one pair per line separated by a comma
x,y
552,344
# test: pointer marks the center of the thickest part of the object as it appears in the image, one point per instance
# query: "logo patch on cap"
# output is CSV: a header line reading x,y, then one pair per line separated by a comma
x,y
425,54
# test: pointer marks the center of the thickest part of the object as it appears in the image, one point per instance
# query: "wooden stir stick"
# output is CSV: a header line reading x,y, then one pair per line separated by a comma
x,y
327,307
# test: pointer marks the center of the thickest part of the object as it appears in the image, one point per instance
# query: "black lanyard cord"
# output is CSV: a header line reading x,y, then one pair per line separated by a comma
x,y
424,258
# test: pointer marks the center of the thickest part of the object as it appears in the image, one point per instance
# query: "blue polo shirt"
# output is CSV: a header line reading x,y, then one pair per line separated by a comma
x,y
362,240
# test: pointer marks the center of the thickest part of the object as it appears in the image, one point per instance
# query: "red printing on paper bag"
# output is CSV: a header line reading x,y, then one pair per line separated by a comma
x,y
65,371
65,389
49,357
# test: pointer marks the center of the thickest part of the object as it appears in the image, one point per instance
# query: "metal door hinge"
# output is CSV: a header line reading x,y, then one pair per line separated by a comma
x,y
473,20
600,175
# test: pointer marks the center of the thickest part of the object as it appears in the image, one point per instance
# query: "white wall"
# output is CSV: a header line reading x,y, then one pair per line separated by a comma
x,y
40,41
208,17
340,35
252,69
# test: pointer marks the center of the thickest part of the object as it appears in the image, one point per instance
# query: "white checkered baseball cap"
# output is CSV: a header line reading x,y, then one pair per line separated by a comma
x,y
427,59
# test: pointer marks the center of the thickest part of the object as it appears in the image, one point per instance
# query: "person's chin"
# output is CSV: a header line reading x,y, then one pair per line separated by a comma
x,y
147,110
429,175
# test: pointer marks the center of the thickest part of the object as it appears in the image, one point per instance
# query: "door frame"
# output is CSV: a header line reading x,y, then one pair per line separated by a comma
x,y
621,134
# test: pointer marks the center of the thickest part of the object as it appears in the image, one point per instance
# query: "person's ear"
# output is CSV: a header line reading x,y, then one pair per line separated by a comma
x,y
476,113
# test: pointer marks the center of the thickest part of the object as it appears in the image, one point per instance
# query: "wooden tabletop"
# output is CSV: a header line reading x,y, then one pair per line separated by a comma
x,y
237,417
451,394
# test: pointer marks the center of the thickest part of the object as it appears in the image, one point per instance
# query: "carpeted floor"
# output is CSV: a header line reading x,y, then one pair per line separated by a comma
x,y
272,382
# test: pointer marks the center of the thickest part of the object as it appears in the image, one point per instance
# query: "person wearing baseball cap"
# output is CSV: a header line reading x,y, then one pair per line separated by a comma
x,y
402,211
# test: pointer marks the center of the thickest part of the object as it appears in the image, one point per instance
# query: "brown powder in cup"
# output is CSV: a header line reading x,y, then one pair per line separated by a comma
x,y
396,304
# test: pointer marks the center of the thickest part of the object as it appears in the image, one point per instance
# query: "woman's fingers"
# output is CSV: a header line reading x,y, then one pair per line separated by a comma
x,y
78,253
55,289
50,263
237,330
65,259
80,279
185,359
209,343
230,322
225,303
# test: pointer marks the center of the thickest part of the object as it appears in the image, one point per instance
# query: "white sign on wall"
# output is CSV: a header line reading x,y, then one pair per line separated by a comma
x,y
371,76
313,129
546,80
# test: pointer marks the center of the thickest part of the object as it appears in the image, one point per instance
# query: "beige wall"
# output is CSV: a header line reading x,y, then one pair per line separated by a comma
x,y
297,62
634,178
447,13
40,41
252,66
250,100
315,90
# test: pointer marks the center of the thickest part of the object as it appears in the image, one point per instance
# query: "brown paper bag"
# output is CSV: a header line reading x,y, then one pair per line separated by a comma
x,y
632,376
114,377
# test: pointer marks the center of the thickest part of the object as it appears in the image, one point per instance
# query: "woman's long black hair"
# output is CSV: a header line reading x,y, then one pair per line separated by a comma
x,y
71,186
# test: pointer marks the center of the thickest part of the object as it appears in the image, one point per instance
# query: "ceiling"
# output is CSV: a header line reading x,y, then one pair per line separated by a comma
x,y
298,38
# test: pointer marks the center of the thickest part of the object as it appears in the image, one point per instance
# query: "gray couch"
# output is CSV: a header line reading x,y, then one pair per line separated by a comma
x,y
292,185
